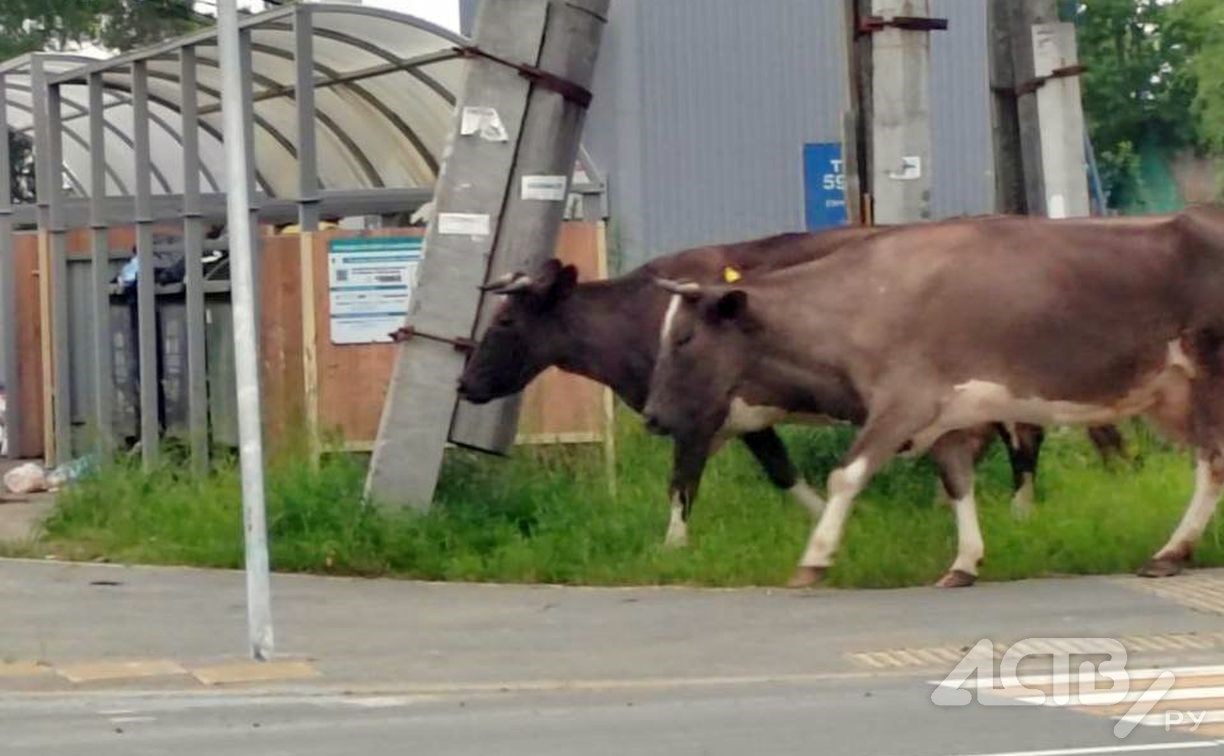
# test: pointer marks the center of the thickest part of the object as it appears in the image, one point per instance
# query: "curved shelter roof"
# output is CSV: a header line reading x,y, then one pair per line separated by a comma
x,y
385,90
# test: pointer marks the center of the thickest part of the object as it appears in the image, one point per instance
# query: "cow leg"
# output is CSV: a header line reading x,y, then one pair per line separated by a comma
x,y
1208,486
770,452
1108,442
688,463
877,443
955,454
1023,449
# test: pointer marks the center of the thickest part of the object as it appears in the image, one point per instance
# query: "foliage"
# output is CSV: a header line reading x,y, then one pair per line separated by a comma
x,y
547,515
1200,27
1138,87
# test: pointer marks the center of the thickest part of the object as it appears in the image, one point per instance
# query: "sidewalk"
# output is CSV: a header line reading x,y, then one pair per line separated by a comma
x,y
400,635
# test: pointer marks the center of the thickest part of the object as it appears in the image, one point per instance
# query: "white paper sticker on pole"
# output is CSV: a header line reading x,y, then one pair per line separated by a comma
x,y
463,224
911,169
1057,206
484,121
544,188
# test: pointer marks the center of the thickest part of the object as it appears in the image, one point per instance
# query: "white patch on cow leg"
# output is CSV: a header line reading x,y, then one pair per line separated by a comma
x,y
844,484
1022,499
672,307
804,494
969,545
1198,514
677,528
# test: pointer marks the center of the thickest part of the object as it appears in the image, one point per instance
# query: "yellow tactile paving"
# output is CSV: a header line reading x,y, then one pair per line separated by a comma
x,y
119,670
244,672
23,669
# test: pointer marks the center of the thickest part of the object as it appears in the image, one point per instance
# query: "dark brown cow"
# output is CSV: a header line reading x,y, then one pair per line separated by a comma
x,y
922,332
609,331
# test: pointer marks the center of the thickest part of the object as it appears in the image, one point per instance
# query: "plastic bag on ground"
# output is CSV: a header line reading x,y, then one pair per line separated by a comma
x,y
26,478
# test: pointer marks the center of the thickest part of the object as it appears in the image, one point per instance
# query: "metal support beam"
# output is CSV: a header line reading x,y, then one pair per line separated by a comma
x,y
57,255
193,274
308,215
482,226
901,116
42,191
146,305
9,323
99,253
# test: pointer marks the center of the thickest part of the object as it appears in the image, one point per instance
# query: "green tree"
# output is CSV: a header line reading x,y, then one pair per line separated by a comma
x,y
1200,28
1137,88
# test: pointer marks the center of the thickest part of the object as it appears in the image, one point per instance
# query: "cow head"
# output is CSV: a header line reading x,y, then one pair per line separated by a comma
x,y
703,346
523,337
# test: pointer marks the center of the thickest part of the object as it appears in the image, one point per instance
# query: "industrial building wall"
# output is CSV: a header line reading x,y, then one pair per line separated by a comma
x,y
702,108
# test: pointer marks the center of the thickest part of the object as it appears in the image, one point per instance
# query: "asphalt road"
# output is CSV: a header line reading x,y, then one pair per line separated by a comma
x,y
850,716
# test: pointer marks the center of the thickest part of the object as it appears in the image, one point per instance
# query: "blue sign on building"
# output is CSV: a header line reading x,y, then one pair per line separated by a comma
x,y
824,185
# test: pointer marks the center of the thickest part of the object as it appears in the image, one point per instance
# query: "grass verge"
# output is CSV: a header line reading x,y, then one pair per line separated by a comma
x,y
547,515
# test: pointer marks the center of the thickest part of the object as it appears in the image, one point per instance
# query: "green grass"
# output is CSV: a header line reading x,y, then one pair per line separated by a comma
x,y
547,515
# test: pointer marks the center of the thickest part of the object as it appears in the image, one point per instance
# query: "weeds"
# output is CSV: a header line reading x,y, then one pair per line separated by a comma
x,y
547,515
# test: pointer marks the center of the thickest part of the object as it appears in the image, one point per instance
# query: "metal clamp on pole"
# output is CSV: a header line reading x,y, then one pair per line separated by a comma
x,y
575,93
873,24
460,344
1034,84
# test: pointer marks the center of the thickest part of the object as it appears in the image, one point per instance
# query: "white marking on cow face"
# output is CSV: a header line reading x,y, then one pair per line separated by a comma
x,y
668,318
804,494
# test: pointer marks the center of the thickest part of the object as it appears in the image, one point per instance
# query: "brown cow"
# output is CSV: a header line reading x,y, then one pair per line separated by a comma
x,y
609,331
922,332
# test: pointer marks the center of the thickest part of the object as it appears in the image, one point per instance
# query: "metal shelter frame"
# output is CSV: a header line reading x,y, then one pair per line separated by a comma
x,y
348,109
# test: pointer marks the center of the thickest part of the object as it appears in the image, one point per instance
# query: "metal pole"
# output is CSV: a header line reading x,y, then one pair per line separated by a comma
x,y
8,291
99,253
246,358
193,279
58,254
146,284
308,214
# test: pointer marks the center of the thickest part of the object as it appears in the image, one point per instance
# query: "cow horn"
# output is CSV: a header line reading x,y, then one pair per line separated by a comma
x,y
683,288
511,282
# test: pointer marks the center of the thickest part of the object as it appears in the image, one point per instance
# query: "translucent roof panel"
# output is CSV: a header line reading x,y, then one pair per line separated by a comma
x,y
385,89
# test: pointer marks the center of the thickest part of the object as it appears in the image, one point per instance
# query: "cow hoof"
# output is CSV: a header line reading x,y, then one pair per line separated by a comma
x,y
956,579
806,577
1158,567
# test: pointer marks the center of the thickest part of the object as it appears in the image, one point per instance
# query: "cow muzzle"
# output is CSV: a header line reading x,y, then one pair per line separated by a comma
x,y
654,424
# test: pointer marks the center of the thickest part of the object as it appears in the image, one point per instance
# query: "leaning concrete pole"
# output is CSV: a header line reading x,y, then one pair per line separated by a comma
x,y
901,110
498,204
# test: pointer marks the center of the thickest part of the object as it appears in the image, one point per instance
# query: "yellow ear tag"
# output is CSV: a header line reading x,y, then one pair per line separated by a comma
x,y
730,275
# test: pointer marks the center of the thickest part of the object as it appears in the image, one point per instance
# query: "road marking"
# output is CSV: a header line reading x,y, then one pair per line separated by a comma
x,y
1184,745
119,670
132,720
23,669
1198,590
935,657
253,671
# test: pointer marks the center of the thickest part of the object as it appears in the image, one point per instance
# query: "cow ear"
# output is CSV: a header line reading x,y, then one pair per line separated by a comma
x,y
731,305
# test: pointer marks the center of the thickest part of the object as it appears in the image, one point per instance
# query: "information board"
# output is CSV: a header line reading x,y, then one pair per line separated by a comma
x,y
370,282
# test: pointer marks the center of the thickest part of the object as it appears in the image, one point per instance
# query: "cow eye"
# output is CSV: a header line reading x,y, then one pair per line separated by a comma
x,y
684,338
505,321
